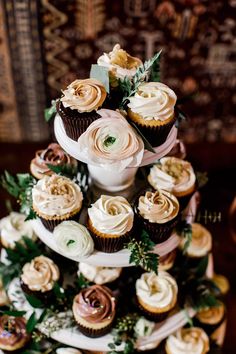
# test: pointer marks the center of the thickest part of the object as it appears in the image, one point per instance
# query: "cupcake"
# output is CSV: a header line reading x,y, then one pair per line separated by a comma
x,y
188,340
99,275
13,334
13,227
157,213
152,109
38,278
176,176
166,262
79,104
211,318
156,295
200,244
55,199
94,310
73,240
67,350
52,155
110,221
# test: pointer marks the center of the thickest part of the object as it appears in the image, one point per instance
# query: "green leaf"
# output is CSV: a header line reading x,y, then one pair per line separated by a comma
x,y
202,179
34,301
184,229
202,267
15,313
31,323
82,282
58,291
66,170
50,112
101,74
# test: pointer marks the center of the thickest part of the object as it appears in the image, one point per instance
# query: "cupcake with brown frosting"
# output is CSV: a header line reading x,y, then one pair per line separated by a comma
x,y
39,277
53,155
110,221
55,199
157,213
79,104
188,340
13,334
210,318
176,176
94,310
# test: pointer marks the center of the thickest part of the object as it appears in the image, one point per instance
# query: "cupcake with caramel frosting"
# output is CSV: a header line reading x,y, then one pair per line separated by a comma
x,y
211,318
79,104
188,340
94,310
110,221
39,277
13,334
55,199
174,175
157,213
53,155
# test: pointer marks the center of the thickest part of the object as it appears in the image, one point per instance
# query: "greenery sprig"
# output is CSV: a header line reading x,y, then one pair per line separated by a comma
x,y
64,170
184,229
141,253
49,113
20,187
202,179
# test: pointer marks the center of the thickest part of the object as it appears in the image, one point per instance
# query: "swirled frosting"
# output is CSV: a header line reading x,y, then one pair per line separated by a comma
x,y
95,304
68,351
201,242
56,195
111,141
52,155
188,340
158,207
84,95
158,291
119,63
40,274
13,333
99,275
211,315
153,100
172,174
111,215
13,227
73,239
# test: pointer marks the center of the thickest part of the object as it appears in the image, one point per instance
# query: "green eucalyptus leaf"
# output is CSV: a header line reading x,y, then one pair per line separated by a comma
x,y
31,323
101,74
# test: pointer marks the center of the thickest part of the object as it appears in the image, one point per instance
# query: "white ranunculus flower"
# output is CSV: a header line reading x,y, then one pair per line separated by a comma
x,y
73,239
68,351
111,142
144,327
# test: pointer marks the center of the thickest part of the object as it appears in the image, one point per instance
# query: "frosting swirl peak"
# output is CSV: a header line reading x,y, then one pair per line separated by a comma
x,y
111,215
95,304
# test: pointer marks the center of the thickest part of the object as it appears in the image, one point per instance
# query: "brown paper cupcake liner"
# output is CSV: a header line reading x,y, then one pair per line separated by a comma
x,y
184,200
51,224
75,123
156,317
94,333
109,244
156,135
46,298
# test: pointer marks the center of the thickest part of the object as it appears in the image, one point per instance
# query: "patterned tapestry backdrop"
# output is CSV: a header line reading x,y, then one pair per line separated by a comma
x,y
45,44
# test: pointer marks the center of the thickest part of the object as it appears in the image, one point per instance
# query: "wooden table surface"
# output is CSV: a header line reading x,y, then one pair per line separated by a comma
x,y
220,162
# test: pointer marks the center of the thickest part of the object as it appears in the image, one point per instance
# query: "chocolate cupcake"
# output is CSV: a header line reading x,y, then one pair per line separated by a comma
x,y
200,244
156,295
13,334
152,110
188,340
53,155
110,223
55,199
176,176
78,105
94,310
39,277
211,318
157,213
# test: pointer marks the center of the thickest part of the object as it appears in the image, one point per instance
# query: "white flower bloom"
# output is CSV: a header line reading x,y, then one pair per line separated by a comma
x,y
144,327
68,351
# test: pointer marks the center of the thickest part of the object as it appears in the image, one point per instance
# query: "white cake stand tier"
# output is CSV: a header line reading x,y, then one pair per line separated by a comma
x,y
118,259
103,175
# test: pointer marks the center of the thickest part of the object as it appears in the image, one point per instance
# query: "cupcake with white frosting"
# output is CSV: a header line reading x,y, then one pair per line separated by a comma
x,y
156,294
210,318
188,340
55,199
152,109
157,213
39,277
174,175
200,244
99,275
110,222
79,104
13,227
